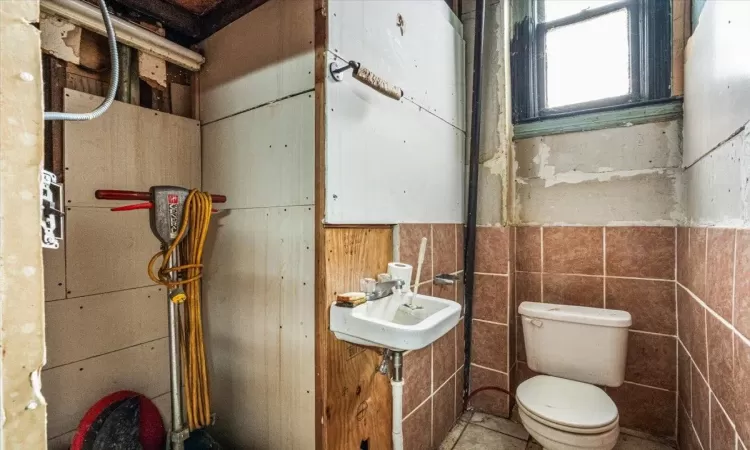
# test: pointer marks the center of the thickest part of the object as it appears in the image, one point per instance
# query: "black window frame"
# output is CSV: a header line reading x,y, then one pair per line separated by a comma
x,y
650,31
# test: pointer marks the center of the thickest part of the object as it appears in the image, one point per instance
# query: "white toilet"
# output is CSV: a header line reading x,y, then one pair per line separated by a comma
x,y
577,348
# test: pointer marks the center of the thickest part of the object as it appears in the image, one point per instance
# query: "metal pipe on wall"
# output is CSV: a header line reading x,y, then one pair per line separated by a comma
x,y
471,216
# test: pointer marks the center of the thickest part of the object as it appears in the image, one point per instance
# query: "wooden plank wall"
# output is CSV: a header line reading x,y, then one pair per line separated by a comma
x,y
356,398
257,111
106,322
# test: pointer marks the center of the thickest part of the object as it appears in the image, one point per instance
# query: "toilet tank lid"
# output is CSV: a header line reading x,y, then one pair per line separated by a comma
x,y
576,314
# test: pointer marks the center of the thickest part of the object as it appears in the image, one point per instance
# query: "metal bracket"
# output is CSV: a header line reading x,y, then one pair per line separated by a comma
x,y
52,210
445,279
338,67
179,437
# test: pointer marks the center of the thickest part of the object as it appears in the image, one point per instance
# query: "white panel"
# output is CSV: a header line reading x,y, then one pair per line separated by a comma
x,y
424,57
83,327
72,389
107,251
263,157
717,188
717,77
54,272
260,326
128,148
389,161
265,55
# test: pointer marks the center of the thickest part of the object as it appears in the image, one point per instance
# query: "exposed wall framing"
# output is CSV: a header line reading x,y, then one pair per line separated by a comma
x,y
91,75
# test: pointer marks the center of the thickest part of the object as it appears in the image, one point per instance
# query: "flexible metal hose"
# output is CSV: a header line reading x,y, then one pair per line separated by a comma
x,y
113,82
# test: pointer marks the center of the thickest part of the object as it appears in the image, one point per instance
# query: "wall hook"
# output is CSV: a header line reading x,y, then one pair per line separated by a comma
x,y
338,67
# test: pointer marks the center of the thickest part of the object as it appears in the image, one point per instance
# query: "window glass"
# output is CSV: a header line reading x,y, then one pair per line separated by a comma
x,y
557,9
588,60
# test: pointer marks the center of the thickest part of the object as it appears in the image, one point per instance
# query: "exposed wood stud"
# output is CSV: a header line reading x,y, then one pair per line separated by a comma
x,y
135,82
125,56
57,81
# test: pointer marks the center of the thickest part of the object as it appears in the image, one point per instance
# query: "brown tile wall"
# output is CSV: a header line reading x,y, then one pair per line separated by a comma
x,y
713,319
493,333
627,268
433,376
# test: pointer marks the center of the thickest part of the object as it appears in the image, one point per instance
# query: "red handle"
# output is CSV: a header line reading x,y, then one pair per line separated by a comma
x,y
147,205
109,194
106,194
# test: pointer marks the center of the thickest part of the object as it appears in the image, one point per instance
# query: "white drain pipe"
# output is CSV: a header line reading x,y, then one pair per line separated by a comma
x,y
397,390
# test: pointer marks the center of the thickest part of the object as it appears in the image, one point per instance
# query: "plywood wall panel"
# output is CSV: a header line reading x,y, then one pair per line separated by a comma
x,y
424,56
260,326
71,389
61,442
54,272
389,161
263,56
81,327
107,251
164,405
129,148
263,157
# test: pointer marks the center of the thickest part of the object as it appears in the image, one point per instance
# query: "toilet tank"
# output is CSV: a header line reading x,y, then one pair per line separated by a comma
x,y
576,342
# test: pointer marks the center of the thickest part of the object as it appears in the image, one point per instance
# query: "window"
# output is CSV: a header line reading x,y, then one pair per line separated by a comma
x,y
570,56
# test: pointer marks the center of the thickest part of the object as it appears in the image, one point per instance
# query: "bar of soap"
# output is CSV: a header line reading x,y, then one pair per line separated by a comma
x,y
351,299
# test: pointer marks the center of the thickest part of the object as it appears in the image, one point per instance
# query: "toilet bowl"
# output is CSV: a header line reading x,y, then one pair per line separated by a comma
x,y
567,415
576,348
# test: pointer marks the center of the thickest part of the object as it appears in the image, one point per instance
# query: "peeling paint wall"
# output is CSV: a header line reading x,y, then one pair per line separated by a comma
x,y
616,176
495,147
21,271
717,110
60,38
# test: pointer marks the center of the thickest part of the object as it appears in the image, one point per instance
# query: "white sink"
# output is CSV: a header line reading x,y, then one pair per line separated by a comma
x,y
389,323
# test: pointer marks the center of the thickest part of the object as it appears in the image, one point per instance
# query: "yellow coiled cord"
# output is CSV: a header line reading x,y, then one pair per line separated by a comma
x,y
195,220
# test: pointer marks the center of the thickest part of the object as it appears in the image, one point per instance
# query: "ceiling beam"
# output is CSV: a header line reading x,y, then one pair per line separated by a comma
x,y
225,13
172,17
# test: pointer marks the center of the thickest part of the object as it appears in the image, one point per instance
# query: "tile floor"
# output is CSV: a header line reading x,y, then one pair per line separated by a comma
x,y
479,431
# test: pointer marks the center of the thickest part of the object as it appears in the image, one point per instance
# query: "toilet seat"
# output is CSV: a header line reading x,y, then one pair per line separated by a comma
x,y
554,439
567,405
565,428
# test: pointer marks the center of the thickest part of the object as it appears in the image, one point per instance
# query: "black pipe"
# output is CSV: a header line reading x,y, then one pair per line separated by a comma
x,y
471,216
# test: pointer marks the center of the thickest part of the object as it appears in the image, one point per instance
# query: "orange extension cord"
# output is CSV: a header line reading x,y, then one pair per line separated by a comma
x,y
195,220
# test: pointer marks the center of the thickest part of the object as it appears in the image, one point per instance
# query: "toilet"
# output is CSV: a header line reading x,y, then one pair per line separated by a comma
x,y
577,349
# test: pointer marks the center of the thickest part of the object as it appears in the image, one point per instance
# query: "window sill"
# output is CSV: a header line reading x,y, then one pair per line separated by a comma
x,y
625,117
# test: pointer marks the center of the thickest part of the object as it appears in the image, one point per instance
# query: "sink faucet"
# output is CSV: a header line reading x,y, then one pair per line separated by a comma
x,y
384,289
